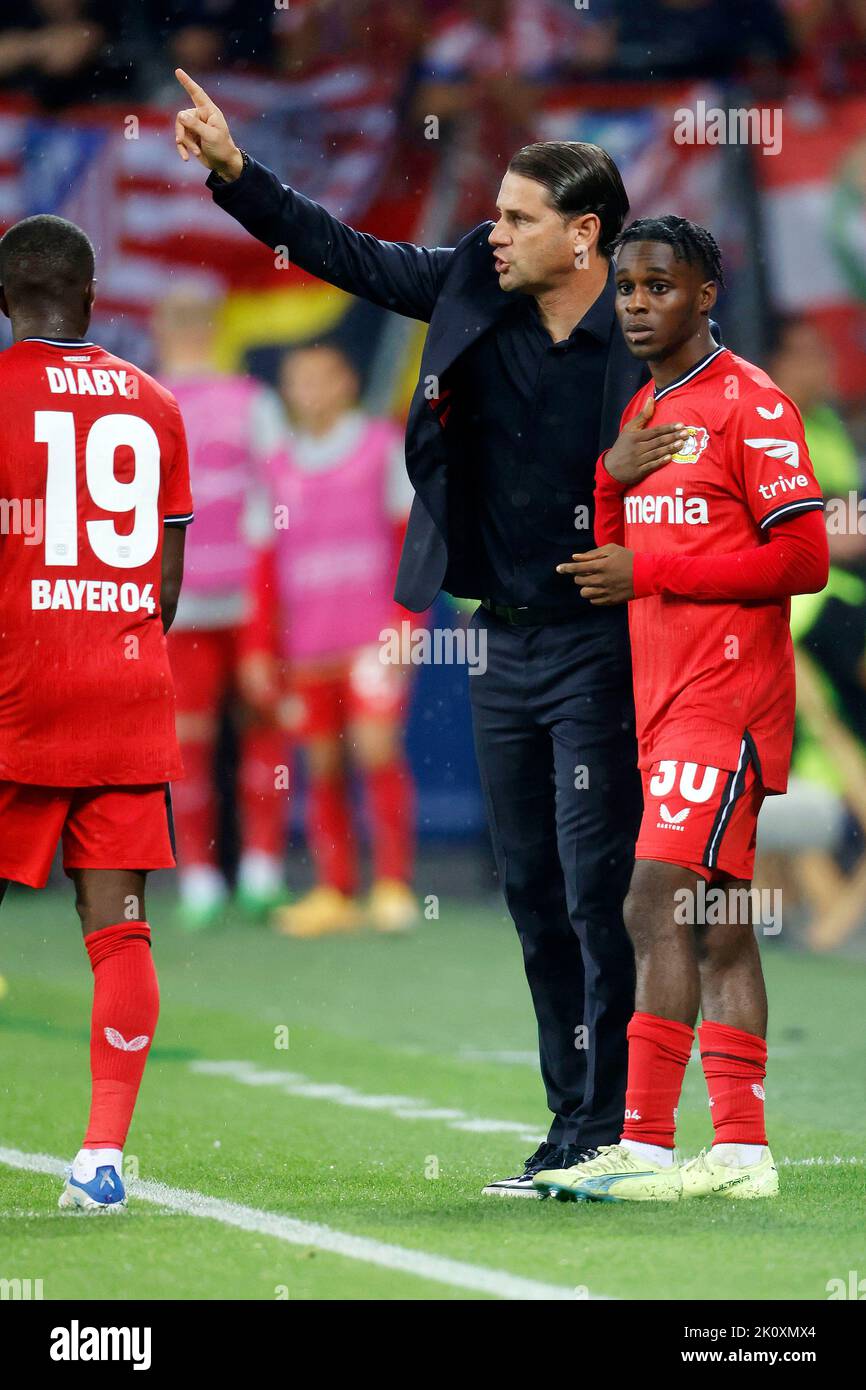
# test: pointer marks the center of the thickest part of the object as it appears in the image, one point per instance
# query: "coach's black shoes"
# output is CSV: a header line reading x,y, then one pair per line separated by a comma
x,y
521,1184
546,1156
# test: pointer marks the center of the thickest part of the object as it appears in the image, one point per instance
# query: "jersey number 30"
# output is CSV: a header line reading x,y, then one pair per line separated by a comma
x,y
140,495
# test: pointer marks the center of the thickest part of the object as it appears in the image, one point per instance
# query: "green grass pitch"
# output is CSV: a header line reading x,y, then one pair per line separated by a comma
x,y
407,1083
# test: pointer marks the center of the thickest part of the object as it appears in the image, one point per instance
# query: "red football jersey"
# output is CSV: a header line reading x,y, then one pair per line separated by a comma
x,y
707,673
93,464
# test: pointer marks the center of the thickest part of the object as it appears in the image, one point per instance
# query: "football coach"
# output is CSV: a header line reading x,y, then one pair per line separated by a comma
x,y
522,384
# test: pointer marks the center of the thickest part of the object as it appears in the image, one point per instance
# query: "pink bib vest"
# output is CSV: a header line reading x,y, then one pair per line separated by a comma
x,y
335,560
216,412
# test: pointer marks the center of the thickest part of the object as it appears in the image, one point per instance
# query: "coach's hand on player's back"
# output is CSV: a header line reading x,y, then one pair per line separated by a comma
x,y
202,131
642,448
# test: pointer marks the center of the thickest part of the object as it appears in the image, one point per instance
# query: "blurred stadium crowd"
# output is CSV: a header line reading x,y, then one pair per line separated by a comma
x,y
401,118
71,50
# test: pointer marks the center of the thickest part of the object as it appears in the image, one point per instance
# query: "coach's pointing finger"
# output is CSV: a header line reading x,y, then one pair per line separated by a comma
x,y
203,132
199,95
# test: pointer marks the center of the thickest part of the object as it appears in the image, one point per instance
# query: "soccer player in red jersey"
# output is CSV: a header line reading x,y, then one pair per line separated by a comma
x,y
708,519
94,491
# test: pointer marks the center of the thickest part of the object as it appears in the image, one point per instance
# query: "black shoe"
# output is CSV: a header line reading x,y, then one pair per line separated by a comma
x,y
546,1156
570,1154
567,1156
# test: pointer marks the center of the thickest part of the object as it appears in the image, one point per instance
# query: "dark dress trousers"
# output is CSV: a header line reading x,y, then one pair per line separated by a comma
x,y
503,433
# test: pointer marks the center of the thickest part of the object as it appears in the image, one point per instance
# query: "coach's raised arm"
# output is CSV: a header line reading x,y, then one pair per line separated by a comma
x,y
395,275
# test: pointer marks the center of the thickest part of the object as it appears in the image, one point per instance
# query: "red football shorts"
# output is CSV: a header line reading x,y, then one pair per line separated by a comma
x,y
101,828
704,818
321,702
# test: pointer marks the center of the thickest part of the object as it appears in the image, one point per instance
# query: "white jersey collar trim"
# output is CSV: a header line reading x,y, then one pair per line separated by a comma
x,y
689,375
61,342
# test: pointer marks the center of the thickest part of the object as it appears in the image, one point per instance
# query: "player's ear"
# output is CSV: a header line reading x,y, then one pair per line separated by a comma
x,y
708,296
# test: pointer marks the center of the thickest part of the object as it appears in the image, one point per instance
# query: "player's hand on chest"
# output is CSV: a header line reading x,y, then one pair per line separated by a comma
x,y
690,490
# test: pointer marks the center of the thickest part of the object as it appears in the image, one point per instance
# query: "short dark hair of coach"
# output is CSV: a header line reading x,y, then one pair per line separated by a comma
x,y
561,204
584,188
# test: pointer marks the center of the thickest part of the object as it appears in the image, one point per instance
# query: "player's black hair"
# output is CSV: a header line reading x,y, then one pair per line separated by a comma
x,y
45,259
579,178
690,242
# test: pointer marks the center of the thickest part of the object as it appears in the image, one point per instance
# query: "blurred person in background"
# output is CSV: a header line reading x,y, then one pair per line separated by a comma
x,y
829,626
309,35
61,50
802,366
669,39
213,33
485,67
830,36
341,479
233,425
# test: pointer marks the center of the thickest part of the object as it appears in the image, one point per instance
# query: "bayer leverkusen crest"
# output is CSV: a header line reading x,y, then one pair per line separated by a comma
x,y
691,450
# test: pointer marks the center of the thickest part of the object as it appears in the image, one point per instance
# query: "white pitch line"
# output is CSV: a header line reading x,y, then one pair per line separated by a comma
x,y
291,1083
436,1268
834,1161
407,1107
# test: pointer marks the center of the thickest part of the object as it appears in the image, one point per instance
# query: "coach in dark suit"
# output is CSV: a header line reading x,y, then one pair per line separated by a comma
x,y
522,384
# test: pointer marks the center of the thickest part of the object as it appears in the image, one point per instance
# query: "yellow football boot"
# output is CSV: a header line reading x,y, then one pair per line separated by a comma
x,y
709,1176
324,911
615,1175
391,906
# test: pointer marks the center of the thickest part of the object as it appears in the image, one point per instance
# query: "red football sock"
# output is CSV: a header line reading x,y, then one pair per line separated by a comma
x,y
658,1053
194,805
125,1010
390,800
329,832
262,805
735,1065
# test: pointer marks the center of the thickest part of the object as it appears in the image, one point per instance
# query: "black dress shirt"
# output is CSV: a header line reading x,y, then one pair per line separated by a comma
x,y
531,416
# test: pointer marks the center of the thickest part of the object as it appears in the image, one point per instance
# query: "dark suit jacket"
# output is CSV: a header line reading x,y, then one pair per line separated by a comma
x,y
457,292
